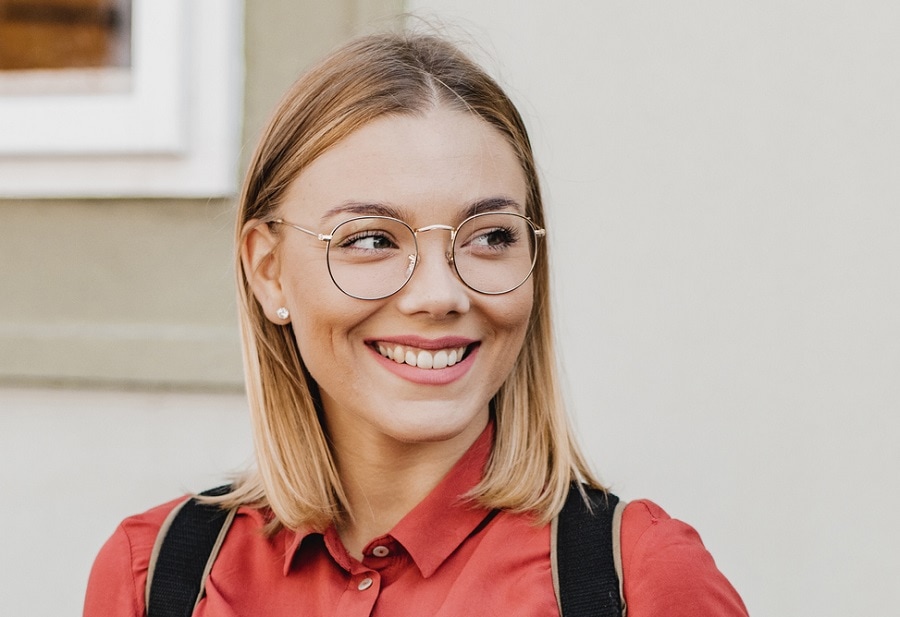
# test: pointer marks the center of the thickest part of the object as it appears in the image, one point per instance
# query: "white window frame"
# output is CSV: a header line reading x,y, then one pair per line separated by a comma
x,y
174,133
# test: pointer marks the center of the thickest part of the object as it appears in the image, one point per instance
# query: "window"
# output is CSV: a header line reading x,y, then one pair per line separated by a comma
x,y
63,35
119,97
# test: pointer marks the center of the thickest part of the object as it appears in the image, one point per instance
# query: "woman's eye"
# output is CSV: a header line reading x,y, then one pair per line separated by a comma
x,y
369,241
498,237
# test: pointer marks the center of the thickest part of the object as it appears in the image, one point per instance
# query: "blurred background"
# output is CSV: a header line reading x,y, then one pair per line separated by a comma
x,y
722,187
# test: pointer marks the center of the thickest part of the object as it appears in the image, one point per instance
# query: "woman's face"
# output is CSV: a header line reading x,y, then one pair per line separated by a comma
x,y
433,168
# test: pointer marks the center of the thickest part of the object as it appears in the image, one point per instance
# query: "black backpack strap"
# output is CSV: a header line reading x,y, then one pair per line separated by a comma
x,y
185,548
585,555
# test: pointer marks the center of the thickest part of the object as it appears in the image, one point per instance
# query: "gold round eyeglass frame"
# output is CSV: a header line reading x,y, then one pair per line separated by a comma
x,y
413,259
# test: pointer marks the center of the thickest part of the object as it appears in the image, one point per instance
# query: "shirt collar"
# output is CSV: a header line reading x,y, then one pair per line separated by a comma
x,y
436,527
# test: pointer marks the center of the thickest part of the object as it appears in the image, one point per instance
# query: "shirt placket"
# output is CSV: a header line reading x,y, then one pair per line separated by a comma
x,y
382,558
358,599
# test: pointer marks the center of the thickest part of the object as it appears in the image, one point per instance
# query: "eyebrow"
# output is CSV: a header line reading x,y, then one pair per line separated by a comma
x,y
362,208
490,204
493,204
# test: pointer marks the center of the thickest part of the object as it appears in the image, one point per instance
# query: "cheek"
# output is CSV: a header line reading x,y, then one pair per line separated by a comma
x,y
512,316
324,321
322,329
510,322
319,344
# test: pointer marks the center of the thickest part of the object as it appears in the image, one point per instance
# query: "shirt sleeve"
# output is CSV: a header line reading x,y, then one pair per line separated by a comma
x,y
668,572
119,574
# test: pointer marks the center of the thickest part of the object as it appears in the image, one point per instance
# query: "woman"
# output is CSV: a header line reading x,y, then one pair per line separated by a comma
x,y
411,443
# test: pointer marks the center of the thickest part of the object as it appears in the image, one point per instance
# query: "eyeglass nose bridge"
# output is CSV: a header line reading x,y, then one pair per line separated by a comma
x,y
449,253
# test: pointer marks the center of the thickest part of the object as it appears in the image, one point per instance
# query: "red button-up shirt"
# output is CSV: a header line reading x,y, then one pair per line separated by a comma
x,y
445,558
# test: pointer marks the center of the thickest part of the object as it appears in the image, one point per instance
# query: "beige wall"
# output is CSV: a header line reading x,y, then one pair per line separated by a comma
x,y
140,291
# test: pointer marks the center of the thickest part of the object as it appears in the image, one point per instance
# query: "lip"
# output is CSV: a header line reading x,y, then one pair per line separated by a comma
x,y
431,344
422,376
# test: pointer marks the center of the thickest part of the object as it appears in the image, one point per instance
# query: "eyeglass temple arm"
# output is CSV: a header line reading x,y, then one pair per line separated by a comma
x,y
322,237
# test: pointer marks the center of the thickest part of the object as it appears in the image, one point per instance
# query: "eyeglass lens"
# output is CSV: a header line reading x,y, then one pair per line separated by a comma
x,y
374,257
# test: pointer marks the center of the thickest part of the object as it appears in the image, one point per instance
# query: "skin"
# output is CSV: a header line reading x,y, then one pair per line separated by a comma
x,y
395,438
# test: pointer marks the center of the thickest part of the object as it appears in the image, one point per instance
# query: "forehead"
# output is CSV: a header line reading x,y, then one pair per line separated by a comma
x,y
428,166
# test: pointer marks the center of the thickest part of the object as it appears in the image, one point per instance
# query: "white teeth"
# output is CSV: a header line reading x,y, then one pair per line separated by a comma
x,y
424,360
440,359
421,358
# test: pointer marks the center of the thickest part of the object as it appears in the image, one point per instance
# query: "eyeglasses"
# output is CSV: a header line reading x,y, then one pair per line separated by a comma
x,y
373,257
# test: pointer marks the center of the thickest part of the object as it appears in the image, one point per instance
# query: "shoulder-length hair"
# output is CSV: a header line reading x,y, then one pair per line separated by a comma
x,y
534,457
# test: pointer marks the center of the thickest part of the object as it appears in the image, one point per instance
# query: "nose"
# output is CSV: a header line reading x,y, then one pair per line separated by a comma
x,y
434,288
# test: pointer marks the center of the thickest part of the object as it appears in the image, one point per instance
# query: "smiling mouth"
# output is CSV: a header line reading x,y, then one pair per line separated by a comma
x,y
422,358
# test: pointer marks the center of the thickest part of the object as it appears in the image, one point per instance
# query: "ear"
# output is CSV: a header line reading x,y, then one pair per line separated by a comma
x,y
262,267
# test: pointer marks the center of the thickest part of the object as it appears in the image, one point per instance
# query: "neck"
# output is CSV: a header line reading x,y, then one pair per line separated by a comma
x,y
382,484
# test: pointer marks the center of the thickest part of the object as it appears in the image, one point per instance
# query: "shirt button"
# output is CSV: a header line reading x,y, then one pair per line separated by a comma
x,y
381,551
364,584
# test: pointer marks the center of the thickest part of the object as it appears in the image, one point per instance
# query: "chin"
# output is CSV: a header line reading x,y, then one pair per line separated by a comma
x,y
436,425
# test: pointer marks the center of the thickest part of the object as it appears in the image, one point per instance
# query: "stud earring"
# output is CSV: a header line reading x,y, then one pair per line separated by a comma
x,y
282,313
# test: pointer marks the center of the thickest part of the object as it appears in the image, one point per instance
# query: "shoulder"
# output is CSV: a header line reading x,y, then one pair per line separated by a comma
x,y
119,574
667,569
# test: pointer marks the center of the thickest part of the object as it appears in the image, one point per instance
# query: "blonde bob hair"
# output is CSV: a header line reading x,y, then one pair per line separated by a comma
x,y
534,457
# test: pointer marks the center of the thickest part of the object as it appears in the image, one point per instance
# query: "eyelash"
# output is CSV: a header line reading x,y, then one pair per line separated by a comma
x,y
362,235
510,236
